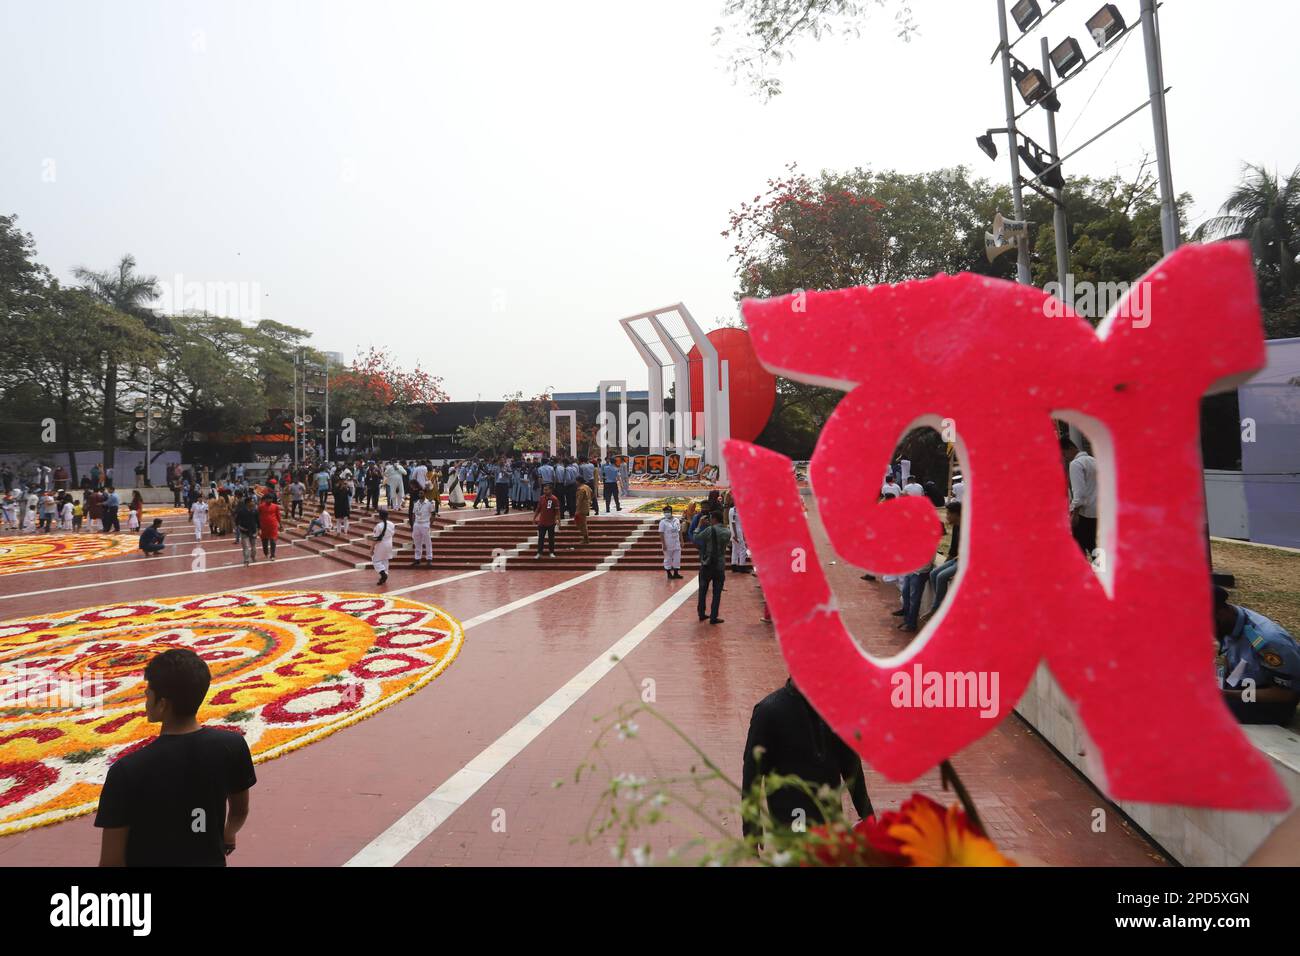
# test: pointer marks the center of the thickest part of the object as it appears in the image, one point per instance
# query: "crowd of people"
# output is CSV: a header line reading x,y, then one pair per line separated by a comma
x,y
35,510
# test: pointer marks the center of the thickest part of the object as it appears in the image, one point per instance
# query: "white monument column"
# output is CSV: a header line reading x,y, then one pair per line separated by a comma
x,y
716,426
602,389
655,374
684,432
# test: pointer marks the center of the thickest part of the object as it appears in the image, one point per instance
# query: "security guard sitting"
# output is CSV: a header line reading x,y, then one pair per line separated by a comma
x,y
1259,659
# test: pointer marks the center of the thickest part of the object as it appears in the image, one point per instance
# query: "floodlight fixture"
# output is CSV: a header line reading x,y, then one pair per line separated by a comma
x,y
1067,57
1042,163
1026,13
1034,87
986,143
1106,24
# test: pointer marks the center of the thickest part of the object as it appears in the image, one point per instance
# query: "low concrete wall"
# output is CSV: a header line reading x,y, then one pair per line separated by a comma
x,y
1193,837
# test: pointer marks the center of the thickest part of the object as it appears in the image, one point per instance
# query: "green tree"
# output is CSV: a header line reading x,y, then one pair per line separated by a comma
x,y
220,370
1264,209
854,228
521,425
1113,229
127,293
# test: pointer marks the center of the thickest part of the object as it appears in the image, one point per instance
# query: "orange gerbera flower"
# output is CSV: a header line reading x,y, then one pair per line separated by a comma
x,y
923,833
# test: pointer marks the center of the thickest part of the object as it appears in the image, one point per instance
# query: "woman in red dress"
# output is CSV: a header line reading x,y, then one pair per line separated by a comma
x,y
268,523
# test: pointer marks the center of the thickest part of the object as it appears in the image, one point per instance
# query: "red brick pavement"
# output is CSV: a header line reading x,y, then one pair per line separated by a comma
x,y
323,803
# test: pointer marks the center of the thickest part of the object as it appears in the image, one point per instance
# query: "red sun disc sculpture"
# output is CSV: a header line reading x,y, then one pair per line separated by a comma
x,y
753,388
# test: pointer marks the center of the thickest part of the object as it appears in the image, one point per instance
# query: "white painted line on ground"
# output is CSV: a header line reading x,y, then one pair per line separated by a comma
x,y
117,561
434,584
147,577
530,599
271,585
391,846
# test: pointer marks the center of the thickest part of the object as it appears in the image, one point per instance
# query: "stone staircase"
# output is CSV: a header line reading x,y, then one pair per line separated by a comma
x,y
468,541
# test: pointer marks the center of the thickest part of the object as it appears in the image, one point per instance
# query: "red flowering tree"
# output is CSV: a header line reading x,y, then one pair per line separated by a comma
x,y
382,396
855,228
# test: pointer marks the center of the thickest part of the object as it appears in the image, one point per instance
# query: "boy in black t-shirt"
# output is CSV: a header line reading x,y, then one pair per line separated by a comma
x,y
166,804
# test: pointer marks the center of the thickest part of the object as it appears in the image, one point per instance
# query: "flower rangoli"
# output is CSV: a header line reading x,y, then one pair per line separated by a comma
x,y
288,668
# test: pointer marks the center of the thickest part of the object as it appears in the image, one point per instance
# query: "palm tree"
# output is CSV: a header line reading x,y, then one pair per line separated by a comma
x,y
1265,210
129,293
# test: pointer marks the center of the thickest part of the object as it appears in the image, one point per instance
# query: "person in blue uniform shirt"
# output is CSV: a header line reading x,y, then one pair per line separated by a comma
x,y
609,476
1260,664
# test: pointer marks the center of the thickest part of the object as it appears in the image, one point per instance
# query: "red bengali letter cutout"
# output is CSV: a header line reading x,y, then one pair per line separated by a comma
x,y
1133,650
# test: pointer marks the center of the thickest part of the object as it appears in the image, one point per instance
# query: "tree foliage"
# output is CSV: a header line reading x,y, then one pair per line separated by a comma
x,y
760,34
863,227
522,425
1265,210
91,357
381,395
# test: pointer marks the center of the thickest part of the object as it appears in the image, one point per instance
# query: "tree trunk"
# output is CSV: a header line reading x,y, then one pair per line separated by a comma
x,y
109,437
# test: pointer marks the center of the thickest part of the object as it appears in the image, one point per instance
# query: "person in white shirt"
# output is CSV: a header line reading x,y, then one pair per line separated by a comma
x,y
383,539
323,523
393,485
670,535
199,516
65,516
890,489
913,487
1083,495
958,487
9,509
421,531
739,550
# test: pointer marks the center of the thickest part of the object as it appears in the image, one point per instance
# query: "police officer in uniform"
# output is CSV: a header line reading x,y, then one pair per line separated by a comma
x,y
1258,659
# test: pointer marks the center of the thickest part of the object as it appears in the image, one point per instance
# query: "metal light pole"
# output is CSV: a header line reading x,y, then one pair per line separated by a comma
x,y
145,419
1156,85
148,431
293,418
1059,225
1022,248
327,408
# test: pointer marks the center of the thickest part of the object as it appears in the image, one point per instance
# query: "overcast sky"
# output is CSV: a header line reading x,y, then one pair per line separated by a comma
x,y
488,187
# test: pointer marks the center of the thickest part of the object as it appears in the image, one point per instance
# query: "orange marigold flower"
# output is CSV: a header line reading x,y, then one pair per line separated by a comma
x,y
923,833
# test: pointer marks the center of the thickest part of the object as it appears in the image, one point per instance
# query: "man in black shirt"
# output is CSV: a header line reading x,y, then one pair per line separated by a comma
x,y
166,804
795,741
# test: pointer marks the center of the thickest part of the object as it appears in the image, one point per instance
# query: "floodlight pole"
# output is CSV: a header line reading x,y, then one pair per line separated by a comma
x,y
1022,247
293,418
1156,85
327,410
1058,216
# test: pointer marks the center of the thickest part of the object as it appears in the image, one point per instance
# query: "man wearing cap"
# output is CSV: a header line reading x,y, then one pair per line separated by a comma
x,y
1259,662
670,534
958,487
